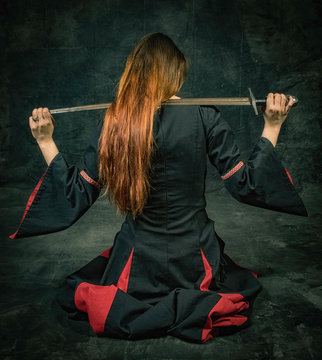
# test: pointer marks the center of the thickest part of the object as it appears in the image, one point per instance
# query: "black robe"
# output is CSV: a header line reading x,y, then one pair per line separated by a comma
x,y
167,272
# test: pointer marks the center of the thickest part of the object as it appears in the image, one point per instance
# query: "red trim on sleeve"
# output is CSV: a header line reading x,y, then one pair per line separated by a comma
x,y
90,180
96,300
123,280
107,253
232,171
204,286
29,203
289,176
228,304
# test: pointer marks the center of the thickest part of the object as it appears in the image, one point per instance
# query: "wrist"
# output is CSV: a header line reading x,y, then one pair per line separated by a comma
x,y
275,128
271,133
48,149
42,143
273,123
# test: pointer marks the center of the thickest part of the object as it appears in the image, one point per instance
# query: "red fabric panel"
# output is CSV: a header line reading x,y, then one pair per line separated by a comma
x,y
204,286
123,280
96,300
29,202
232,171
229,304
289,176
90,180
106,253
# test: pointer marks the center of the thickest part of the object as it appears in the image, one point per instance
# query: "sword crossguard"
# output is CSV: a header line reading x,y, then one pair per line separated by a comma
x,y
255,102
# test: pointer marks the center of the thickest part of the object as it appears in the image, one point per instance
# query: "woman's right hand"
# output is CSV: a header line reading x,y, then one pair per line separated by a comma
x,y
275,112
42,125
276,109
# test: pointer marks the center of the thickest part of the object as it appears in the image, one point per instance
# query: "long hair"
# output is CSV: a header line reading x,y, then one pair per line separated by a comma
x,y
155,70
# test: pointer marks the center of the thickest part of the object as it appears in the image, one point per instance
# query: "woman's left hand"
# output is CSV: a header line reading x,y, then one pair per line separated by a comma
x,y
41,125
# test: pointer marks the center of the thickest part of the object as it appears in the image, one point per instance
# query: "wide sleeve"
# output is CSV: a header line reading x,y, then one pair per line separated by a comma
x,y
261,181
63,194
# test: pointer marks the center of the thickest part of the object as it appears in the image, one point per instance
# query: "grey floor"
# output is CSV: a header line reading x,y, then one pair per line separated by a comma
x,y
284,250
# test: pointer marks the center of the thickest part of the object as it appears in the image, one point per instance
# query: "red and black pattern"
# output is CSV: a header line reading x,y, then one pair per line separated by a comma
x,y
167,272
214,312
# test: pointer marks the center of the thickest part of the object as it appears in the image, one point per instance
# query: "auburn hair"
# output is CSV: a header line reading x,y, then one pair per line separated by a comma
x,y
155,70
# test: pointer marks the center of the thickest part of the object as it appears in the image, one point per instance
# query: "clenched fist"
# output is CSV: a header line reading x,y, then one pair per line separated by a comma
x,y
276,109
41,125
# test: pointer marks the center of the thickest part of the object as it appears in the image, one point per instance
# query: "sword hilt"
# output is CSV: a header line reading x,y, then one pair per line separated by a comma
x,y
256,103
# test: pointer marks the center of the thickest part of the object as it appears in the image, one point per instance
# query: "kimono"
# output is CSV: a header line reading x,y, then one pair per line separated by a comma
x,y
167,272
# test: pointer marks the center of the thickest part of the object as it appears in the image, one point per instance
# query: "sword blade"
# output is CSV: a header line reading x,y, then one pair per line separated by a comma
x,y
231,101
226,101
80,108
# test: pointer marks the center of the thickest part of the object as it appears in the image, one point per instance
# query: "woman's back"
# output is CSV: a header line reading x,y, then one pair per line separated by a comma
x,y
178,170
174,222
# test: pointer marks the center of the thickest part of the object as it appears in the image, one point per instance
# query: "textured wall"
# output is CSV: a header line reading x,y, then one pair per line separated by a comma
x,y
68,53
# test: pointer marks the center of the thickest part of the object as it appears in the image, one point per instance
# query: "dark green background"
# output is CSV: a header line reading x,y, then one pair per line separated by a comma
x,y
69,53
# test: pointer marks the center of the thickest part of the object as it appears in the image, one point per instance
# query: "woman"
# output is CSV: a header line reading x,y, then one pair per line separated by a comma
x,y
166,272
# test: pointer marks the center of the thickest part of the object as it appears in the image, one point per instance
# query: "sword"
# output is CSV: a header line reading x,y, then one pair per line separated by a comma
x,y
228,101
